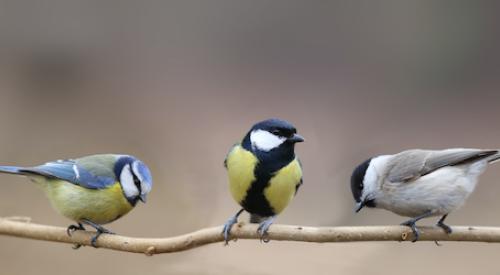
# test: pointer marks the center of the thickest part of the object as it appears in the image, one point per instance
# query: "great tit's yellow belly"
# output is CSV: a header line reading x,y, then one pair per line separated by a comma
x,y
283,186
100,206
240,168
270,197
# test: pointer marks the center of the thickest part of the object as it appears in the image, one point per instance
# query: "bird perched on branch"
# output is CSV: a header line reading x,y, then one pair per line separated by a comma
x,y
420,183
264,173
92,190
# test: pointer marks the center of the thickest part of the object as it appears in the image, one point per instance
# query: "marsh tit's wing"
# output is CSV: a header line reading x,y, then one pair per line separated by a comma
x,y
410,165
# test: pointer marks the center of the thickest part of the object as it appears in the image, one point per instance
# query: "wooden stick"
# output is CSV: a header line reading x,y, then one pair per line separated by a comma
x,y
150,246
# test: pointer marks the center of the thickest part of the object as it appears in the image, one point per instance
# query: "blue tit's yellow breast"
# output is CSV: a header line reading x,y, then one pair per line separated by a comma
x,y
240,167
75,202
282,186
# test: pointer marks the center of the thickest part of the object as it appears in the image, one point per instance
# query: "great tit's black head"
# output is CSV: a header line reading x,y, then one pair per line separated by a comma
x,y
358,185
273,133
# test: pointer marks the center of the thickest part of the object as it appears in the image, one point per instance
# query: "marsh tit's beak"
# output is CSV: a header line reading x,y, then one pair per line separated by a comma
x,y
359,206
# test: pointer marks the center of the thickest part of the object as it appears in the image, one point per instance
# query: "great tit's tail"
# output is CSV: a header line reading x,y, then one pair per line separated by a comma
x,y
254,218
12,170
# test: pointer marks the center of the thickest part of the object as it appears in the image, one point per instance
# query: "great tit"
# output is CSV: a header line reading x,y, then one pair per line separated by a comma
x,y
420,183
91,190
264,173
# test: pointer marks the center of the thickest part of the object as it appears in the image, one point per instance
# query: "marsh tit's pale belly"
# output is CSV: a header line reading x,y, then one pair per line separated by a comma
x,y
441,191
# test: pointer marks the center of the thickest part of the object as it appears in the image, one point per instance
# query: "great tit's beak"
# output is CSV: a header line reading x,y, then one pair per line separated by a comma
x,y
296,138
359,206
143,198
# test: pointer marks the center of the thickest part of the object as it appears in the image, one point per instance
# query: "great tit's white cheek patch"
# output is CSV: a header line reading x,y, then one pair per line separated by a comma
x,y
127,182
265,141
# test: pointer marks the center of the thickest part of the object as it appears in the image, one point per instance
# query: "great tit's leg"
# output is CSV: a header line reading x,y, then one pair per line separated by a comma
x,y
411,223
227,226
72,228
100,230
263,227
445,227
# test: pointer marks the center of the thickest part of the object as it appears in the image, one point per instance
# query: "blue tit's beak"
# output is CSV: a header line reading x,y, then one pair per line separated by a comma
x,y
359,206
143,198
296,138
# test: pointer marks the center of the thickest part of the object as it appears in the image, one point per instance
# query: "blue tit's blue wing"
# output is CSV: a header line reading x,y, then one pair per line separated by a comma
x,y
10,169
69,170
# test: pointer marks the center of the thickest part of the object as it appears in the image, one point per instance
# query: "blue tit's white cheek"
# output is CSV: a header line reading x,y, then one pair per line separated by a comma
x,y
265,141
127,182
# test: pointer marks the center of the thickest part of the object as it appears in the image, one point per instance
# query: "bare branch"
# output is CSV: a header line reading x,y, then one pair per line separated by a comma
x,y
277,232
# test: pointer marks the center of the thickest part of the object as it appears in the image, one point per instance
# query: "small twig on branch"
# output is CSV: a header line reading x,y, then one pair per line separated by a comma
x,y
150,246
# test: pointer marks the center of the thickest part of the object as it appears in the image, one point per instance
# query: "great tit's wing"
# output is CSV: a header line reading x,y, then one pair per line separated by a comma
x,y
71,171
299,184
409,165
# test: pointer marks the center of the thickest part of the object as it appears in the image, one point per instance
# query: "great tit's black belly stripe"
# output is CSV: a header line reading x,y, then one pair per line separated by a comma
x,y
255,201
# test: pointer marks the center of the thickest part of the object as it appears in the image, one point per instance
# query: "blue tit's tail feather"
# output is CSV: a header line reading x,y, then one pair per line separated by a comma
x,y
12,170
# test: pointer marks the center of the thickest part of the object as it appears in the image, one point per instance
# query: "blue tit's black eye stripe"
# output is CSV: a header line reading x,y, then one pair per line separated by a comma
x,y
137,182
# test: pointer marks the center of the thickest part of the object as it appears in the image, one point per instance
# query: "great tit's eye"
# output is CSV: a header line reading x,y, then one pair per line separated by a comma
x,y
276,132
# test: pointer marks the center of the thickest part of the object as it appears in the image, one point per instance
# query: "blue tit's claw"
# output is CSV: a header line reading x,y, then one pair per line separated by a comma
x,y
227,228
100,230
76,246
72,228
263,228
93,241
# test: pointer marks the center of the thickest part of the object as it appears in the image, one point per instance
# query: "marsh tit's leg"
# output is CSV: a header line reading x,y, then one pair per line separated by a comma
x,y
263,227
411,223
100,230
227,226
445,227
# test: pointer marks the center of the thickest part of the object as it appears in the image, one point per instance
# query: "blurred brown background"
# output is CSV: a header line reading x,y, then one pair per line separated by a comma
x,y
176,83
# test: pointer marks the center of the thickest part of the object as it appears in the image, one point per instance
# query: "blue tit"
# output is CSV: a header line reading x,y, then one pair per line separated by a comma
x,y
91,190
264,173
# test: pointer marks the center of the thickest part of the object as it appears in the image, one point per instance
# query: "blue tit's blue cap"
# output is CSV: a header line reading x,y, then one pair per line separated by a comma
x,y
145,173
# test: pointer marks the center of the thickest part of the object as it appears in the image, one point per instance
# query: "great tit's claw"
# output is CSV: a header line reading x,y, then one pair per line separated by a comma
x,y
263,228
227,229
